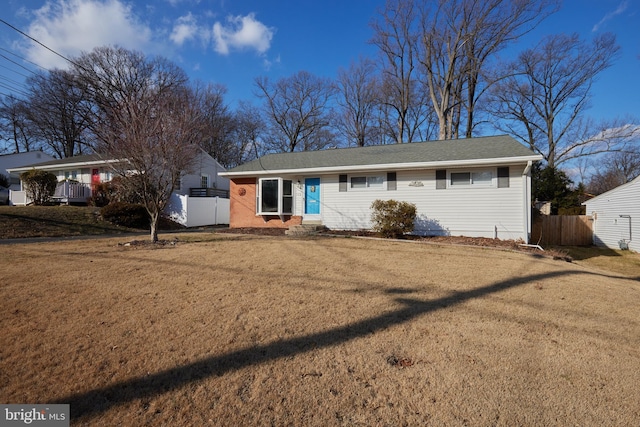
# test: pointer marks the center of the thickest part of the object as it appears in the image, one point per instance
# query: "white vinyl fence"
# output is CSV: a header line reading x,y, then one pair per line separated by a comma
x,y
198,211
19,198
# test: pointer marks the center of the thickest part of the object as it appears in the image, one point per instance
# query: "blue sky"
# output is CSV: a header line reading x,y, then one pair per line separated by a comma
x,y
234,41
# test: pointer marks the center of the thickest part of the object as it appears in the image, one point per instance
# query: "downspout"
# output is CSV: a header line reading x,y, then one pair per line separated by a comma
x,y
526,183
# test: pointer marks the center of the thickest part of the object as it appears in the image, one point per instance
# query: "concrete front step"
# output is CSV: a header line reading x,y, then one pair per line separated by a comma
x,y
304,229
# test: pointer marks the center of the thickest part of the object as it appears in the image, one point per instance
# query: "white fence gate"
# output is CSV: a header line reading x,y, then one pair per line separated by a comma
x,y
198,211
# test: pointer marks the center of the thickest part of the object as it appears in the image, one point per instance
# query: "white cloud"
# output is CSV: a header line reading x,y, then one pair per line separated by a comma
x,y
70,27
176,3
186,28
621,8
241,32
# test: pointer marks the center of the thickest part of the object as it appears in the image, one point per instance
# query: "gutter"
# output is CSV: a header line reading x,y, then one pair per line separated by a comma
x,y
60,166
384,166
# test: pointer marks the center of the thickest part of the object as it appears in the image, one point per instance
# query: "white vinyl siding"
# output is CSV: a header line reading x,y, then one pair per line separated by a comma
x,y
475,211
608,226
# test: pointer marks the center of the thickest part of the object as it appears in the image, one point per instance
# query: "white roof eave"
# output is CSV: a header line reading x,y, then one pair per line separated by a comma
x,y
387,166
59,166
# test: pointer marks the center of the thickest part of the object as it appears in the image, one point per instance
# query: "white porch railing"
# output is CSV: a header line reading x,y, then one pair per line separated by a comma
x,y
72,192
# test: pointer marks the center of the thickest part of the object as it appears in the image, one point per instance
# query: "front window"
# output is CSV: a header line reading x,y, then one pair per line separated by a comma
x,y
477,179
275,196
460,178
481,178
204,181
362,182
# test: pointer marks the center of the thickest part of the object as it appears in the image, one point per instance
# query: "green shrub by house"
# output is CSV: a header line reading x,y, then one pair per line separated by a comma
x,y
126,214
392,218
39,185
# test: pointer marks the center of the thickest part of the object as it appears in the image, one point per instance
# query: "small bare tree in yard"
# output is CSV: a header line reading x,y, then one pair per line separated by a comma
x,y
146,116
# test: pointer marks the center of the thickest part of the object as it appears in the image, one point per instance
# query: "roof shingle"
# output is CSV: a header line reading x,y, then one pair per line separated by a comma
x,y
482,148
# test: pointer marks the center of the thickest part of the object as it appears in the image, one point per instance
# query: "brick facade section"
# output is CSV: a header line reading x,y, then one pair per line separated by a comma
x,y
243,208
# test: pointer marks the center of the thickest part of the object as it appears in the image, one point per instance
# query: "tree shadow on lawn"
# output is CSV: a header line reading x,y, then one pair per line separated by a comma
x,y
67,227
580,253
100,400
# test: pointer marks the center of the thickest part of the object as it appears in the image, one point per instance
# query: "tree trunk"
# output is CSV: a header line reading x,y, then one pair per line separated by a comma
x,y
154,226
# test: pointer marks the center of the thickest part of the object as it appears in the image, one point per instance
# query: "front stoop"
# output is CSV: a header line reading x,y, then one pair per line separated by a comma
x,y
305,229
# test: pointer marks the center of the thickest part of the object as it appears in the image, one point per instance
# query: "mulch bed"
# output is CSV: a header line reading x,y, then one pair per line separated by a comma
x,y
458,240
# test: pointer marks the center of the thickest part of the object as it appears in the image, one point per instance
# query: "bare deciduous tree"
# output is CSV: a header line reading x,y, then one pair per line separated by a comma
x,y
358,87
296,109
217,139
435,53
457,38
14,126
543,100
248,127
55,113
615,169
146,117
396,37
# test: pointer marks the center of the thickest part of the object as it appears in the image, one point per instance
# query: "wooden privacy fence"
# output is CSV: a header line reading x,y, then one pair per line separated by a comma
x,y
562,230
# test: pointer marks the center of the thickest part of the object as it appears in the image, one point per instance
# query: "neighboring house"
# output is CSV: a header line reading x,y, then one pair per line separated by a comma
x,y
478,187
9,161
616,217
77,175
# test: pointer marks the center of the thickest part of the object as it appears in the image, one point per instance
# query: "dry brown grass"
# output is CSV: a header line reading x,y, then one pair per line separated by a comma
x,y
248,330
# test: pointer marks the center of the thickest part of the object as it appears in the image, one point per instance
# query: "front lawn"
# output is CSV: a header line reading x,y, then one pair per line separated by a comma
x,y
264,330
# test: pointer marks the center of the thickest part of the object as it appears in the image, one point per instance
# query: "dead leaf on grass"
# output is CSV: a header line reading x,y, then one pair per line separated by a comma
x,y
401,362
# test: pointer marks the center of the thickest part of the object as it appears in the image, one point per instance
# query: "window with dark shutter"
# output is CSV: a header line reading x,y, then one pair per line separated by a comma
x,y
441,179
391,181
503,177
342,183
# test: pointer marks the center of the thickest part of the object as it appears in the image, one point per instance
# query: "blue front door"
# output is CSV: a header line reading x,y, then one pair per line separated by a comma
x,y
312,196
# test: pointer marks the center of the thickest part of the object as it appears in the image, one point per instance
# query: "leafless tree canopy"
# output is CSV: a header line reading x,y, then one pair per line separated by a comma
x,y
357,101
396,37
546,92
14,126
613,170
56,115
437,51
297,112
146,116
247,134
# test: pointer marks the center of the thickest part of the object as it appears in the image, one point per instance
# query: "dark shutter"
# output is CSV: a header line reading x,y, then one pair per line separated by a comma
x,y
441,179
503,177
391,181
342,182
